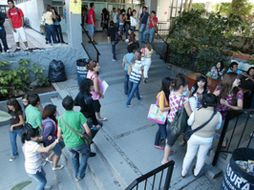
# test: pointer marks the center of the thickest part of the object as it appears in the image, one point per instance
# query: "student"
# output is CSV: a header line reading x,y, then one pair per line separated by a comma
x,y
91,22
113,34
152,27
143,22
49,135
57,25
16,125
147,55
177,100
33,159
233,68
3,33
217,71
162,101
128,60
69,122
16,18
201,141
32,111
134,20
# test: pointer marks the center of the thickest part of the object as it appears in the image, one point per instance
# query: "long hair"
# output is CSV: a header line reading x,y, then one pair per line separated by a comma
x,y
85,86
49,111
13,102
195,86
165,86
179,81
91,65
226,86
221,67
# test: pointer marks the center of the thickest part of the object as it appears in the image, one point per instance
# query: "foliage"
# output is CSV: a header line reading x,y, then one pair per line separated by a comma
x,y
198,6
18,80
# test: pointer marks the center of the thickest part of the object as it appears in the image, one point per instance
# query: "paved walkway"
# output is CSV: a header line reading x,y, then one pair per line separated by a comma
x,y
126,140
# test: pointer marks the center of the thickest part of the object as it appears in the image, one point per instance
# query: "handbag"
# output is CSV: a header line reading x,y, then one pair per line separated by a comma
x,y
156,115
180,121
85,137
190,132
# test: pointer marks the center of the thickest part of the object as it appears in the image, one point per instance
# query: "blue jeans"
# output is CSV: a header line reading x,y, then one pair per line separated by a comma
x,y
40,177
134,88
13,136
141,32
3,38
161,134
151,32
50,33
114,48
127,27
79,157
126,83
90,29
121,28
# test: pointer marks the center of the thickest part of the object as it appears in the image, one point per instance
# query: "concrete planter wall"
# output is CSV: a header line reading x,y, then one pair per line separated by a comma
x,y
66,54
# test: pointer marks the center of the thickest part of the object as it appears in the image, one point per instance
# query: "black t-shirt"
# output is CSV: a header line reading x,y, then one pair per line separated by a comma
x,y
15,118
247,84
112,33
86,104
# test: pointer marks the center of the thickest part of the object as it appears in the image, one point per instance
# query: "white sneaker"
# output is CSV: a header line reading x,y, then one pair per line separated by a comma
x,y
114,60
48,160
47,187
58,167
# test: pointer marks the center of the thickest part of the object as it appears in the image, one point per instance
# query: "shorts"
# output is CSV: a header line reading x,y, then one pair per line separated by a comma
x,y
90,29
58,148
19,34
96,106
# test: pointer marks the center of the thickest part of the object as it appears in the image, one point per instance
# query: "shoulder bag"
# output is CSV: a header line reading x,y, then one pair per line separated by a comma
x,y
85,137
190,132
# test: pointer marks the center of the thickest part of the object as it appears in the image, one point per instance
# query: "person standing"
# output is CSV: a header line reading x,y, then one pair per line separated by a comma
x,y
3,33
128,21
133,20
16,125
147,55
128,59
113,34
143,22
104,19
16,19
57,25
201,141
152,28
69,125
32,111
91,22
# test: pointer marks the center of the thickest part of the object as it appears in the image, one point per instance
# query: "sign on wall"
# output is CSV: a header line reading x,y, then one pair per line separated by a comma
x,y
75,6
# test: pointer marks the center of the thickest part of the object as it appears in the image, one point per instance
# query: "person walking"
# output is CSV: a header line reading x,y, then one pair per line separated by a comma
x,y
177,101
143,22
16,125
127,22
91,22
16,19
70,124
48,18
49,135
147,55
201,141
162,101
133,20
135,78
33,159
128,60
152,27
113,34
3,34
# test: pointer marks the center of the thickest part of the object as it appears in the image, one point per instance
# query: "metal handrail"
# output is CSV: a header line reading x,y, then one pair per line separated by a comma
x,y
169,166
94,46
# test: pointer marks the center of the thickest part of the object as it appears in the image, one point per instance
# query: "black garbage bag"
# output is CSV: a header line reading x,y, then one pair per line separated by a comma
x,y
56,71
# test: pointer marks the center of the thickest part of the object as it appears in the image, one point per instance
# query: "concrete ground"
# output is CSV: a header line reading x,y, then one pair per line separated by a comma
x,y
129,134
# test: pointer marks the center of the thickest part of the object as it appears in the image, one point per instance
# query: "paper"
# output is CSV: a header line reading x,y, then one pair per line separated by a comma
x,y
75,6
104,86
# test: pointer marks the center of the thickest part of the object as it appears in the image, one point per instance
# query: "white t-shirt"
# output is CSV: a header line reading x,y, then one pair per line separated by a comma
x,y
33,159
134,21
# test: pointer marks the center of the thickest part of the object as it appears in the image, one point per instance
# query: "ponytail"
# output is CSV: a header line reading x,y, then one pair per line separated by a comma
x,y
29,133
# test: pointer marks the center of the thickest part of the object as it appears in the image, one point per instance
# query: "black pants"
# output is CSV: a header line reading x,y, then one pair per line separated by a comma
x,y
59,34
3,38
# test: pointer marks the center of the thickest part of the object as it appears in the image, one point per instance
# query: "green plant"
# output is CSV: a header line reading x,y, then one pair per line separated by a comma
x,y
198,6
16,81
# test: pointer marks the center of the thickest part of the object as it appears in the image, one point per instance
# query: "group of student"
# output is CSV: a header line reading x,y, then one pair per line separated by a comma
x,y
203,107
44,135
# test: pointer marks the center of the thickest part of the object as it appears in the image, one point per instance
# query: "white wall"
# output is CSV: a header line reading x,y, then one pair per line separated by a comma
x,y
33,10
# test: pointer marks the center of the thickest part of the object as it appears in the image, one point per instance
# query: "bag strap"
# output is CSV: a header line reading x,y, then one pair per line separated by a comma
x,y
72,129
201,126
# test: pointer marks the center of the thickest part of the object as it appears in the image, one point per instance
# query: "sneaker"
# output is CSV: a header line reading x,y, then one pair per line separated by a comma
x,y
17,49
47,187
159,147
27,48
12,158
48,160
58,167
77,179
8,51
114,60
92,154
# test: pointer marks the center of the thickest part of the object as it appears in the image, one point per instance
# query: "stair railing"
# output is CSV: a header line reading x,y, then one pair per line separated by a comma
x,y
154,179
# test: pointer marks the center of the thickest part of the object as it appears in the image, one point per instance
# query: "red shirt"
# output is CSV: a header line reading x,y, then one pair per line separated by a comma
x,y
90,14
153,21
15,15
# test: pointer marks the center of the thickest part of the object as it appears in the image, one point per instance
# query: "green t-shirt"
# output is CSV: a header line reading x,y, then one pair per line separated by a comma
x,y
75,120
33,116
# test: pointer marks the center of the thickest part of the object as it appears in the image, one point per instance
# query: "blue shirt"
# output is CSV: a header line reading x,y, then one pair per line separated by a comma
x,y
237,71
127,59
